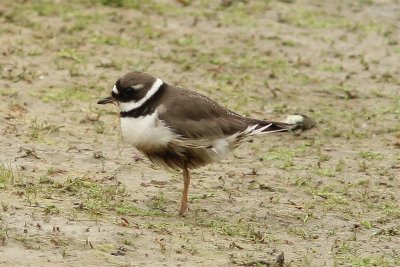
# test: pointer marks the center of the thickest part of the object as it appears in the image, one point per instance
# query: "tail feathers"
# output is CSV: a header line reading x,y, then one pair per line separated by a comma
x,y
292,123
260,128
273,126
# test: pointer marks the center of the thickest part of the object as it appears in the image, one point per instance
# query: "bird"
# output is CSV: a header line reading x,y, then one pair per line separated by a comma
x,y
178,128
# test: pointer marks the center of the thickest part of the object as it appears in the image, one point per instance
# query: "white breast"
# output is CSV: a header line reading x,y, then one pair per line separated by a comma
x,y
147,132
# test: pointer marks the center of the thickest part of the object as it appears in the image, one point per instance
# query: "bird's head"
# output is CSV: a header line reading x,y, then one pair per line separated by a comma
x,y
132,90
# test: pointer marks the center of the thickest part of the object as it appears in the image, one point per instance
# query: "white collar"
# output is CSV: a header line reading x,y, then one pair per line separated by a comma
x,y
128,106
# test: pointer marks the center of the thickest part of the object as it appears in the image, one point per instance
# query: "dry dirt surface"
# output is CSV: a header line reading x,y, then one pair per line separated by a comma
x,y
73,194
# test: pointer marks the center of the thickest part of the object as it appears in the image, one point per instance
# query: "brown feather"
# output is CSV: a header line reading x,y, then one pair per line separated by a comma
x,y
207,119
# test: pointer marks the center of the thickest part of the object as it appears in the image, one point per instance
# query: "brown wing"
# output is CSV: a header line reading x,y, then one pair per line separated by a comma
x,y
195,116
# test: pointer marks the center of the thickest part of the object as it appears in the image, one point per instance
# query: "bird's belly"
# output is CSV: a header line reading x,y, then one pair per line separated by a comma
x,y
146,133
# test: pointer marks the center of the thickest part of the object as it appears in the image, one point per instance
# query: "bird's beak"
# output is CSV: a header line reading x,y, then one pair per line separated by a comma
x,y
106,100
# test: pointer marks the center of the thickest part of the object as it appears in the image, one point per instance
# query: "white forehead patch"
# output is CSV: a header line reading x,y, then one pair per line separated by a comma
x,y
115,90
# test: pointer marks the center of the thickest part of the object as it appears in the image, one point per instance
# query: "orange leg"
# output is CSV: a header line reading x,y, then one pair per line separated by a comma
x,y
186,181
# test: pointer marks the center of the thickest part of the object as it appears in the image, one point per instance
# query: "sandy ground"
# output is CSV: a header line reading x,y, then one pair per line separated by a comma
x,y
73,194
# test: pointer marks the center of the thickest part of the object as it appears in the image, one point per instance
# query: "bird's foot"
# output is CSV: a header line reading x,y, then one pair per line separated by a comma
x,y
183,210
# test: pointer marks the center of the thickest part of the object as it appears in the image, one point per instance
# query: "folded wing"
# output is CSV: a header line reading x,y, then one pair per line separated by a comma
x,y
210,121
